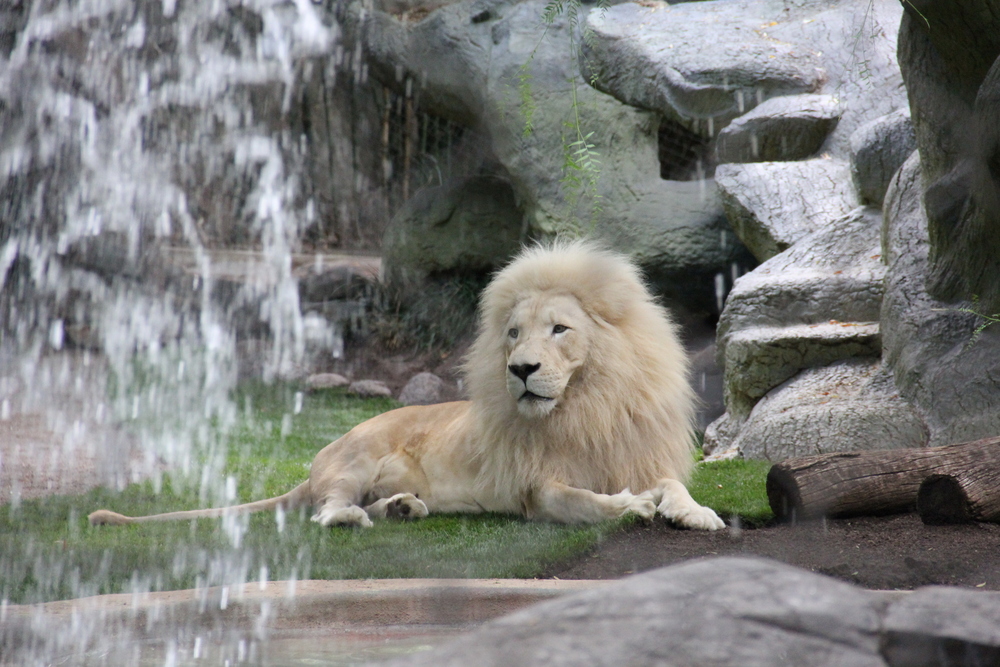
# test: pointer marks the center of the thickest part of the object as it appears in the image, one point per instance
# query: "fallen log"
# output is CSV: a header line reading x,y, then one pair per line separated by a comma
x,y
961,496
877,482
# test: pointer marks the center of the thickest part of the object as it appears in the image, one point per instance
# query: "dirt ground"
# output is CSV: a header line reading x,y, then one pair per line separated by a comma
x,y
892,552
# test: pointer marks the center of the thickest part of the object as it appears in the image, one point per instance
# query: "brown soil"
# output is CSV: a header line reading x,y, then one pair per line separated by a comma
x,y
893,552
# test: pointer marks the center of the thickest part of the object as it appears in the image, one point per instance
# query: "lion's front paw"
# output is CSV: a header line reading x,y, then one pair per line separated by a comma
x,y
641,505
405,506
342,516
691,515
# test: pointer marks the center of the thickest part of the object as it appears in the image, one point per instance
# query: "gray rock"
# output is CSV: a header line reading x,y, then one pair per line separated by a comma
x,y
950,57
771,205
925,626
813,304
781,128
950,376
680,60
467,58
473,227
878,149
370,389
723,611
422,389
326,381
736,611
705,63
847,406
761,358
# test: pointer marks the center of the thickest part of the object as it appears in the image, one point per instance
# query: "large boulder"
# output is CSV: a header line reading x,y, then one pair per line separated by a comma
x,y
844,407
487,66
949,58
810,306
949,374
734,611
705,63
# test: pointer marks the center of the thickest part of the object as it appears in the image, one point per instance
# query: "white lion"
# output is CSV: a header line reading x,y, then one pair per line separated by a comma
x,y
579,393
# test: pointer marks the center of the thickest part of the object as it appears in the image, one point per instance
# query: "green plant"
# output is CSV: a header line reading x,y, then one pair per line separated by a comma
x,y
987,320
581,160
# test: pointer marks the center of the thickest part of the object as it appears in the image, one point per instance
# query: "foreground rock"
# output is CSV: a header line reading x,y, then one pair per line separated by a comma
x,y
736,611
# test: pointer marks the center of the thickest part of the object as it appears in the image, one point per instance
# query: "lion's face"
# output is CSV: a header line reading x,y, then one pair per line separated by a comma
x,y
547,341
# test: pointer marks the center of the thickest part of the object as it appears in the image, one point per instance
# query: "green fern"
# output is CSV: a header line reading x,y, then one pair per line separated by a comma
x,y
988,320
581,161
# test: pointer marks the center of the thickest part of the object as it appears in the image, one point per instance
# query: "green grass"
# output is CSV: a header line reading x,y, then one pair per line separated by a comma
x,y
734,488
48,552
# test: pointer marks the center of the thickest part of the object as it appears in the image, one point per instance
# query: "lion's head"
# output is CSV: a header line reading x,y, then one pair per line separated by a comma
x,y
578,374
548,340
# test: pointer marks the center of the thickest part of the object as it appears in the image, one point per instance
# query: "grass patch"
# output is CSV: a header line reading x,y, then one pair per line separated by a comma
x,y
48,552
734,488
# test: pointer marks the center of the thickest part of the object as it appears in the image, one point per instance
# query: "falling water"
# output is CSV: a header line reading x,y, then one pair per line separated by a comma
x,y
131,135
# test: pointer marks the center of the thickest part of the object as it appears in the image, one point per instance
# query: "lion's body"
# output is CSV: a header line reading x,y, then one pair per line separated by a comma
x,y
579,390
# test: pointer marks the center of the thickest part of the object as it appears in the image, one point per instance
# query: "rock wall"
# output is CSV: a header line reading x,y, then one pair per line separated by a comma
x,y
465,62
854,332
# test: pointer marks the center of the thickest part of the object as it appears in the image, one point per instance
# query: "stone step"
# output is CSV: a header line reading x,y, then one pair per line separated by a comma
x,y
757,359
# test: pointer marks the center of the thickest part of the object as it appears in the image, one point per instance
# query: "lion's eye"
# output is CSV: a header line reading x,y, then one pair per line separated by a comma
x,y
512,333
559,328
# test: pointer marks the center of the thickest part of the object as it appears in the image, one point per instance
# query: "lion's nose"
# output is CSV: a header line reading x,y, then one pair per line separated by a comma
x,y
523,370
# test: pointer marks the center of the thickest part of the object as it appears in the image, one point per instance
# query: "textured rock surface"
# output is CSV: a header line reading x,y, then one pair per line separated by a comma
x,y
422,389
878,149
764,357
813,304
846,406
782,128
733,611
949,58
772,205
952,379
465,60
705,63
464,228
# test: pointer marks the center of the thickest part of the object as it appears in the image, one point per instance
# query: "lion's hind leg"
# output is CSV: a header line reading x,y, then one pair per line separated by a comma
x,y
674,503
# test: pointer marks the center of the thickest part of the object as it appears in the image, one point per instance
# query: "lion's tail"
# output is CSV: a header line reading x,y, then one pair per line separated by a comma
x,y
294,498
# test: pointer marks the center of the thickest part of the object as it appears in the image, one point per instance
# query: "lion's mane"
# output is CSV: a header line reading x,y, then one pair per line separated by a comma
x,y
626,417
